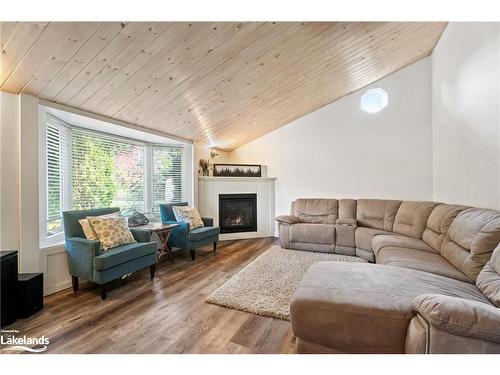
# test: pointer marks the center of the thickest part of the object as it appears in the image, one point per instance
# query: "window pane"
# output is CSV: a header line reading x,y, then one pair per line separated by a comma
x,y
167,176
88,169
54,180
107,172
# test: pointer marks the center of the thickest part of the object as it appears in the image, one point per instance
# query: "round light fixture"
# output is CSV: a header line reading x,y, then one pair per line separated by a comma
x,y
374,100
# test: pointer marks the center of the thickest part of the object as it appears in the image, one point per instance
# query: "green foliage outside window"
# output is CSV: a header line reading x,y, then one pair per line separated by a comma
x,y
92,173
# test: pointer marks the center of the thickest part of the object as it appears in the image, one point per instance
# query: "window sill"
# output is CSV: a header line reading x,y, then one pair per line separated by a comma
x,y
52,244
53,249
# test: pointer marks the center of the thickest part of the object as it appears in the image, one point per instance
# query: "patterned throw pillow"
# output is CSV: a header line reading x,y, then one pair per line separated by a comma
x,y
187,214
89,231
111,231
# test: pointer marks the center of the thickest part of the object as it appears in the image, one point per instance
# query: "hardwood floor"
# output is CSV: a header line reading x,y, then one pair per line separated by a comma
x,y
165,315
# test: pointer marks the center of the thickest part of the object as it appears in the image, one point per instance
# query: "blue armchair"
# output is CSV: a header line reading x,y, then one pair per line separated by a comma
x,y
186,238
87,260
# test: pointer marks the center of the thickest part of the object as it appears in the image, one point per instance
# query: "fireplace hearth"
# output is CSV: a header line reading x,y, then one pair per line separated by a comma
x,y
237,213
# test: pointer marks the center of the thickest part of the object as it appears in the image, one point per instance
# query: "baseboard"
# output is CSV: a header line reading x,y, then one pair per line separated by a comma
x,y
56,288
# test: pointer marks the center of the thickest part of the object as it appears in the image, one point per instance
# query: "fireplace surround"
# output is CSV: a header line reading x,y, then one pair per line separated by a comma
x,y
237,213
209,189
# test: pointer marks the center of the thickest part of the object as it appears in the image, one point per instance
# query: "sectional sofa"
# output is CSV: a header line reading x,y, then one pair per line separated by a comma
x,y
433,284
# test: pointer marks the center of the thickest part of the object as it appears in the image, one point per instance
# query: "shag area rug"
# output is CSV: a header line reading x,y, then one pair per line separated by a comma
x,y
266,285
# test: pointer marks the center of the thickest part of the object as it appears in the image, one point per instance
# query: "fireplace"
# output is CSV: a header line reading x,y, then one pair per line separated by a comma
x,y
237,213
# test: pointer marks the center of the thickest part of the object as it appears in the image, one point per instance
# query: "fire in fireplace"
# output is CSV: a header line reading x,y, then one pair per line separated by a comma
x,y
237,213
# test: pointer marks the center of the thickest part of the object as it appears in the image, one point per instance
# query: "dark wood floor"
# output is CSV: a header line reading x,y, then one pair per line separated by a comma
x,y
165,315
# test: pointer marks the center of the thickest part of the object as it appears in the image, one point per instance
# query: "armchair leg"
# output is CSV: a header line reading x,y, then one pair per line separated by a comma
x,y
152,270
103,291
193,254
74,282
215,246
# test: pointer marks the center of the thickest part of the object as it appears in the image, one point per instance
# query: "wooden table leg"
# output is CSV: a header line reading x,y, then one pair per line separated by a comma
x,y
168,248
164,246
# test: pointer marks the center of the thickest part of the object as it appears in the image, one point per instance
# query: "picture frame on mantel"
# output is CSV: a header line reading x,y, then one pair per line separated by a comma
x,y
237,170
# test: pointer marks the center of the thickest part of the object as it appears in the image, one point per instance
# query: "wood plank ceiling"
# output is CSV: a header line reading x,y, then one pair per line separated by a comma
x,y
216,82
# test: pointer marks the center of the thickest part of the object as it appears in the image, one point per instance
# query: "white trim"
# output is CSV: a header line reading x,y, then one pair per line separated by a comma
x,y
48,242
111,120
183,175
255,179
148,178
56,248
51,289
42,177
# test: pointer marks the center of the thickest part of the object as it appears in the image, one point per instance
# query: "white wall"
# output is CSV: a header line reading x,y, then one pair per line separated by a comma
x,y
9,171
340,151
202,151
466,121
20,192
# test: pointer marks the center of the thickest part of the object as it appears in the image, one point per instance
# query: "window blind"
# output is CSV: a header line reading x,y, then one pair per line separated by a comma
x,y
107,171
54,145
167,176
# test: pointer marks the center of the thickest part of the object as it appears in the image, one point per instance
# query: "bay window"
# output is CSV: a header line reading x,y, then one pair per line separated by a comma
x,y
88,169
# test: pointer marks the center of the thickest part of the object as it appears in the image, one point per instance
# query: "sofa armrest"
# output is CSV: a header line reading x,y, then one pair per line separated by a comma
x,y
208,221
460,316
287,219
141,235
351,222
81,254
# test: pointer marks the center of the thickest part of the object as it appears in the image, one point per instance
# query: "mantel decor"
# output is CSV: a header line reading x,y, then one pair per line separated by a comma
x,y
237,170
204,165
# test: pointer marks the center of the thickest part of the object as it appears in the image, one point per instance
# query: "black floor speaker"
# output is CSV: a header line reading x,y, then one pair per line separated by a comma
x,y
8,272
29,294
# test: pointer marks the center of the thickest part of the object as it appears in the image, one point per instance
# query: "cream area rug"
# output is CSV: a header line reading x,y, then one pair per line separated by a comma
x,y
266,285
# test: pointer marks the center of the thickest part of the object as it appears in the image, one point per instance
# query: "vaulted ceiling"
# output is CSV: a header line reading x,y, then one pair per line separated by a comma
x,y
216,82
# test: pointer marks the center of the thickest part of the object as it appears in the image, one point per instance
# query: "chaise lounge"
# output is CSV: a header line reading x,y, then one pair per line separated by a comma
x,y
434,288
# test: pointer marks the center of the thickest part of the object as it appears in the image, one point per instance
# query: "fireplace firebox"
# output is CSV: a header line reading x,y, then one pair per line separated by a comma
x,y
237,213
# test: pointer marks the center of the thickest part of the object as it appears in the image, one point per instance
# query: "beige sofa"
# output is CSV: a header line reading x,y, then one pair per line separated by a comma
x,y
435,287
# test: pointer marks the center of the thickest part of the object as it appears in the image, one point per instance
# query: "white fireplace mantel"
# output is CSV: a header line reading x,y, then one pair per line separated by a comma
x,y
209,189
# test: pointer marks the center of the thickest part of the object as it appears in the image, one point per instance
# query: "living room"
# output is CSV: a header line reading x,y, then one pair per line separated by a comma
x,y
284,186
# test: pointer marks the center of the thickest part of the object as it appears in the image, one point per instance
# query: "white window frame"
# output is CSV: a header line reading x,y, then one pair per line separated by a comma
x,y
44,119
67,196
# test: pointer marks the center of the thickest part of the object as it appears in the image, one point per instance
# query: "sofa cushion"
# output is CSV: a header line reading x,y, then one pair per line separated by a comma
x,y
364,308
364,237
313,233
89,232
377,213
122,254
188,214
419,260
438,223
488,280
111,231
200,233
316,210
347,209
395,240
412,217
471,239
